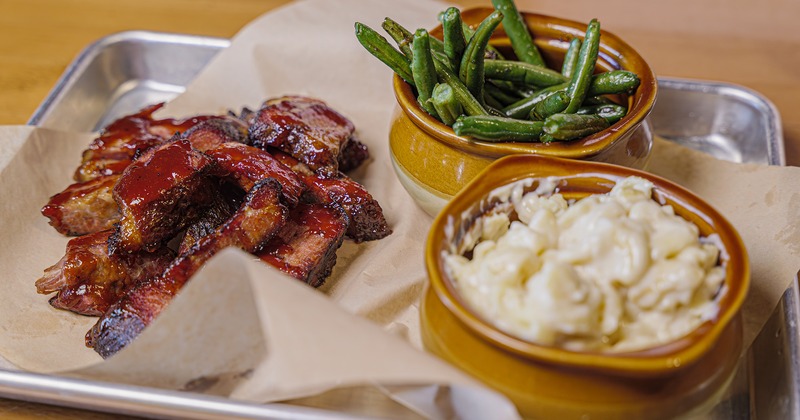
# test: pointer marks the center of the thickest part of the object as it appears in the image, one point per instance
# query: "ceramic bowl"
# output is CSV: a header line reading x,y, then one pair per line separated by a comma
x,y
433,163
542,380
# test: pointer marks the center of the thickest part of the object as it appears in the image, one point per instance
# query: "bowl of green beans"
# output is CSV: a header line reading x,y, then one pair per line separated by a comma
x,y
491,82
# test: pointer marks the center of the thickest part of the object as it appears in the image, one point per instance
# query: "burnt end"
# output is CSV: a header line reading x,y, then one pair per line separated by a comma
x,y
353,155
215,132
114,331
114,240
246,115
321,270
260,216
247,165
305,128
84,207
87,280
214,216
162,196
305,248
101,166
121,141
367,222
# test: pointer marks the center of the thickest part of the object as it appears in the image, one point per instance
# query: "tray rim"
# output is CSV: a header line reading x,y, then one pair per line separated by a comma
x,y
146,401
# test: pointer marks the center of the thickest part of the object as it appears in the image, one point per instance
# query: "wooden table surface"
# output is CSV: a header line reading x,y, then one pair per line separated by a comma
x,y
749,43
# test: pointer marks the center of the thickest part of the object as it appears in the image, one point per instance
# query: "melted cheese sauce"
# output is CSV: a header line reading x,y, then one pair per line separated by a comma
x,y
614,272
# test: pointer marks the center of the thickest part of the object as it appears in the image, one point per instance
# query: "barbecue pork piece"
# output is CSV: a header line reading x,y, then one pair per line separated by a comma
x,y
88,281
161,196
367,221
305,128
247,165
215,132
119,143
247,116
221,209
254,223
305,248
84,207
353,155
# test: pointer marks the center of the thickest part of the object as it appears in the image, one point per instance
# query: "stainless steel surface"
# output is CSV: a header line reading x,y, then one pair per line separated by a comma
x,y
140,401
116,75
728,121
121,73
774,361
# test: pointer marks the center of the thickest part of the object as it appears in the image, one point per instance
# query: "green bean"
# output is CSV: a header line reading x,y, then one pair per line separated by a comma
x,y
494,111
491,52
597,100
573,126
546,138
458,81
472,63
508,87
518,33
454,41
437,46
492,102
470,104
523,107
422,69
550,105
571,58
519,72
587,59
611,112
446,104
494,128
523,90
503,96
616,81
402,36
382,50
468,31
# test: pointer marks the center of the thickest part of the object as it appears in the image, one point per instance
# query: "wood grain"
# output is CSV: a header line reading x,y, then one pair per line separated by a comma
x,y
39,38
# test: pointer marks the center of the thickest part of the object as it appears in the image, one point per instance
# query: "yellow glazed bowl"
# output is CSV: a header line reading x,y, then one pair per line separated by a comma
x,y
433,163
548,382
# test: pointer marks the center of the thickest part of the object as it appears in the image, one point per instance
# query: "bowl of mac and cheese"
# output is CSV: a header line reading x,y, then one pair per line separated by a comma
x,y
549,275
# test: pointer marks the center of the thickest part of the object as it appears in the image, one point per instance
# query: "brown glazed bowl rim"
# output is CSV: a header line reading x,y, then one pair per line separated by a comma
x,y
549,32
650,362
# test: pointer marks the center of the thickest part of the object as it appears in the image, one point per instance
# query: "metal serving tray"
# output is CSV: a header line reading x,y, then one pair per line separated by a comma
x,y
726,121
119,74
123,72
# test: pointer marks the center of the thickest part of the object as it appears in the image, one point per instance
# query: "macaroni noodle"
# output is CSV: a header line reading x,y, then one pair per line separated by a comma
x,y
611,272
